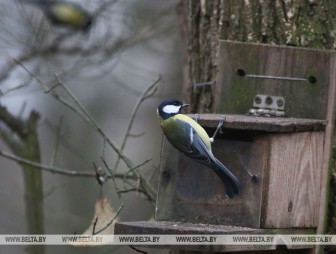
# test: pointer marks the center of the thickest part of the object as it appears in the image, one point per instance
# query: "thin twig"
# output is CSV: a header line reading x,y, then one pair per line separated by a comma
x,y
18,62
118,191
57,142
83,112
145,95
138,166
89,119
11,89
112,177
138,190
149,192
137,250
104,148
108,224
57,170
97,127
134,112
136,135
47,168
66,143
46,89
94,123
94,225
129,190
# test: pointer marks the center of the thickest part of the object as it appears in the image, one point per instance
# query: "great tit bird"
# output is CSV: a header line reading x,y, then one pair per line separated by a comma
x,y
187,136
63,13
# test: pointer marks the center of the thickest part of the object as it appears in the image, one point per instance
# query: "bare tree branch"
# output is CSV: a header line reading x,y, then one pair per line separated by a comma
x,y
84,112
57,170
58,135
145,95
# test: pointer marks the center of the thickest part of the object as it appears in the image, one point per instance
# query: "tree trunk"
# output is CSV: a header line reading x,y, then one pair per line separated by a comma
x,y
305,23
21,136
33,183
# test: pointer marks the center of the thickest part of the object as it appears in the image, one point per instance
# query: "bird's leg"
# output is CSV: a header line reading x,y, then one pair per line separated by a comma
x,y
195,117
219,126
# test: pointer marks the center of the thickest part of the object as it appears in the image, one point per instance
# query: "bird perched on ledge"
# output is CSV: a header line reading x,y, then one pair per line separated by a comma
x,y
187,136
63,13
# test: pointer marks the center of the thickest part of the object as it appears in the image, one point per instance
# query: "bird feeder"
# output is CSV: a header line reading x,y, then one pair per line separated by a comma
x,y
278,104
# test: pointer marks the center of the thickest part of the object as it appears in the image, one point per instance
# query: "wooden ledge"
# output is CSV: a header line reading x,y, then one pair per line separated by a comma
x,y
153,227
261,123
171,227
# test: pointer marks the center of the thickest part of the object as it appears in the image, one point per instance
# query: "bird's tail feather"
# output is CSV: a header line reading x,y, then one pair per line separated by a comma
x,y
232,185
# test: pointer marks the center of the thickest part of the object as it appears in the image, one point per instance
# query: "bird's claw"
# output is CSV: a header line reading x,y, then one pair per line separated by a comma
x,y
195,117
221,121
219,128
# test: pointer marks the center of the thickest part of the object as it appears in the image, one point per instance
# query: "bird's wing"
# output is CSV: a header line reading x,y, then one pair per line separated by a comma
x,y
194,145
196,148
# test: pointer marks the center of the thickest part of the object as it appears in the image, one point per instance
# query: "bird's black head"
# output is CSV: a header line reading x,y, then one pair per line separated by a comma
x,y
170,107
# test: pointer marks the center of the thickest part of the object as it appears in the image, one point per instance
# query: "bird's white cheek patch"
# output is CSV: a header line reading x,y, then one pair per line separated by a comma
x,y
171,109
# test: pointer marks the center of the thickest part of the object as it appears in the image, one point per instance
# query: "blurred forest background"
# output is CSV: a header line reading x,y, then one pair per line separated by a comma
x,y
130,46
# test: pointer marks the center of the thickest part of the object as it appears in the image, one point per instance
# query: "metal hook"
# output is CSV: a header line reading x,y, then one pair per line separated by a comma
x,y
208,83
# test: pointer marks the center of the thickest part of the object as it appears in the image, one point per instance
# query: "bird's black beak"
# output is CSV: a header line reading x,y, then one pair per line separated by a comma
x,y
184,105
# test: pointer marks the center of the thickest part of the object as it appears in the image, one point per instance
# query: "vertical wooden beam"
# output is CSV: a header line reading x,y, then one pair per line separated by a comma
x,y
327,159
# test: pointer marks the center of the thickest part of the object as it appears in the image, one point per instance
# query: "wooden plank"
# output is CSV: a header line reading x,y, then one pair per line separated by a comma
x,y
258,123
295,173
167,227
327,156
171,227
234,93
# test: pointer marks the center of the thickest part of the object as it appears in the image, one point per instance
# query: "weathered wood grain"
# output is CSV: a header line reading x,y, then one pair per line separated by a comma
x,y
295,174
172,227
191,192
234,94
258,123
327,157
169,227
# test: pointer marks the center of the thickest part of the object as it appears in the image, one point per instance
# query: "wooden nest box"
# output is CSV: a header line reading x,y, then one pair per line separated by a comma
x,y
279,107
